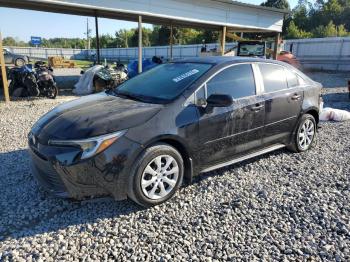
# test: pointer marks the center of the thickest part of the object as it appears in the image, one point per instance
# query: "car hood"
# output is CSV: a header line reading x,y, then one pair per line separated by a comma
x,y
91,116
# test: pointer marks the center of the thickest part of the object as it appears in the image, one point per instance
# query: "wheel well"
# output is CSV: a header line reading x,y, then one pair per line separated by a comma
x,y
314,113
188,173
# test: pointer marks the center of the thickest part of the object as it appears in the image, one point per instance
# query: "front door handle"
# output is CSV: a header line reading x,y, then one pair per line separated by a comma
x,y
257,107
296,97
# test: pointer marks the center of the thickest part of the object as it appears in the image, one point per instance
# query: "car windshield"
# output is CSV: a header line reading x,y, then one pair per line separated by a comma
x,y
163,83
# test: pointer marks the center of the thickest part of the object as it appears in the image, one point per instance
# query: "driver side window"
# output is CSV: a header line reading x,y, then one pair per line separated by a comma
x,y
237,81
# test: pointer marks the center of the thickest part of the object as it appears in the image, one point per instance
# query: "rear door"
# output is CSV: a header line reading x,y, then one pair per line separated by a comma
x,y
225,132
282,102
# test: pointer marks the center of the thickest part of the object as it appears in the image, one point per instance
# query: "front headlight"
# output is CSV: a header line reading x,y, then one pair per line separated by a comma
x,y
90,146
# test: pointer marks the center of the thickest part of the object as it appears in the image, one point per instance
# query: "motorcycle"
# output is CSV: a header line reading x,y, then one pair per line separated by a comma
x,y
24,81
46,80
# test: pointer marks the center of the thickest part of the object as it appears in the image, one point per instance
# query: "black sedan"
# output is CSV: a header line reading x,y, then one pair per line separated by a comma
x,y
143,139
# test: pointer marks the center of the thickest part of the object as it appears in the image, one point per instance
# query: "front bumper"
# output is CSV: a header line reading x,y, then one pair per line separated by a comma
x,y
47,176
104,174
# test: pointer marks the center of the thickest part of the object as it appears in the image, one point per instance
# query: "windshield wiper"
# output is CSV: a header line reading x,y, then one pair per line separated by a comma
x,y
141,98
129,96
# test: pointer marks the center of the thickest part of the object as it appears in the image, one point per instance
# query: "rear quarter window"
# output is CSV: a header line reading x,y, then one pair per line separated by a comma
x,y
274,77
292,78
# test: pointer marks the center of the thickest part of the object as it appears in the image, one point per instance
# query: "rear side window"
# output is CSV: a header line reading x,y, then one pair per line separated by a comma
x,y
236,81
274,77
292,78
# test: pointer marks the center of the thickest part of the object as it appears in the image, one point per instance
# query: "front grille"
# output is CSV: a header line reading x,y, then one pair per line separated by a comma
x,y
47,176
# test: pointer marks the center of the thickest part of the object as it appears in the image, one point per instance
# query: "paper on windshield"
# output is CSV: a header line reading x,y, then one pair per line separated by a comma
x,y
185,75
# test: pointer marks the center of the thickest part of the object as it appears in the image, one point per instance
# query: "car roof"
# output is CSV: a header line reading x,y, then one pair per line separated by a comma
x,y
217,60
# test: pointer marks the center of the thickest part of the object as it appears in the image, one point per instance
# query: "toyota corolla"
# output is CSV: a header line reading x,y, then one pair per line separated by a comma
x,y
167,125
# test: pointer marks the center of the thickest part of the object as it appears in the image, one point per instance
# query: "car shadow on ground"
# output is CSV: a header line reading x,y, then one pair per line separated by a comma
x,y
27,210
244,163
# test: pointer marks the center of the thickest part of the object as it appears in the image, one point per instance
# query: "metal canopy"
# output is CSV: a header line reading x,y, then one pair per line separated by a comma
x,y
210,14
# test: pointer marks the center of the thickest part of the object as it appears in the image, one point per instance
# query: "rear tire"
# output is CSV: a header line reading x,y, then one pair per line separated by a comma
x,y
53,92
304,135
157,175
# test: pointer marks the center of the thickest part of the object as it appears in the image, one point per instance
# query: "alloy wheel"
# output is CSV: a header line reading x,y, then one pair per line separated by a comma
x,y
160,177
306,134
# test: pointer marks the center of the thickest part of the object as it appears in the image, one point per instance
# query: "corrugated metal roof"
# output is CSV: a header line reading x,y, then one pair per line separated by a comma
x,y
246,17
272,9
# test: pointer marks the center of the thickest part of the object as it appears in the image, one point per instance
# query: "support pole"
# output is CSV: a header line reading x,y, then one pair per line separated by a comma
x,y
275,50
3,72
171,41
223,40
140,46
97,40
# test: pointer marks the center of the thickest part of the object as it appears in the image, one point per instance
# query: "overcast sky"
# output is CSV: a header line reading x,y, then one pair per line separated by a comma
x,y
23,24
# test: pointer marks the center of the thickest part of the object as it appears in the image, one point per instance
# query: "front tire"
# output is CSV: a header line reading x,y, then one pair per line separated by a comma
x,y
157,175
305,134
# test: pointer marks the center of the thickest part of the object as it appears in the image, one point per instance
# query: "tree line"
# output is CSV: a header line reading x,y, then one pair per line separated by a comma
x,y
158,35
320,18
312,19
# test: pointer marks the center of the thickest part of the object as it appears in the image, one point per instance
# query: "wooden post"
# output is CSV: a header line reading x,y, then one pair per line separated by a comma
x,y
275,49
223,40
140,46
3,72
171,41
97,40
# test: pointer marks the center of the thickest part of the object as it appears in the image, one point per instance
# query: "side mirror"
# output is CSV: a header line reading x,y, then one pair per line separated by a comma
x,y
218,100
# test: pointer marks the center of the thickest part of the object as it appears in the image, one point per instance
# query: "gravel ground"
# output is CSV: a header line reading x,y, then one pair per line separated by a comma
x,y
281,206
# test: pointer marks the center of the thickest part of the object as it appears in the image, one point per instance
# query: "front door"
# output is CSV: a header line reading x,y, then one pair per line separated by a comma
x,y
226,132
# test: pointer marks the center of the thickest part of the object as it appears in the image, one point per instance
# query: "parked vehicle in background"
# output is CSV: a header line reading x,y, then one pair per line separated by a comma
x,y
46,80
17,60
251,48
24,81
171,123
1,82
259,49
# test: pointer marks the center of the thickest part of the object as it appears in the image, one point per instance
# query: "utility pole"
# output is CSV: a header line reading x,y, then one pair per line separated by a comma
x,y
88,34
97,39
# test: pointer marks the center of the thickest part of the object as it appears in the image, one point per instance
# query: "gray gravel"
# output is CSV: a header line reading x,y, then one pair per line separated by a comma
x,y
281,206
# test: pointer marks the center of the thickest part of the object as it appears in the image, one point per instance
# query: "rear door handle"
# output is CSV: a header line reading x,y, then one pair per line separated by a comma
x,y
296,97
257,107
